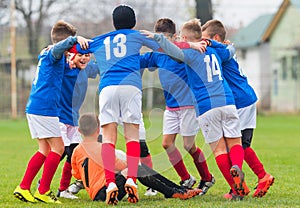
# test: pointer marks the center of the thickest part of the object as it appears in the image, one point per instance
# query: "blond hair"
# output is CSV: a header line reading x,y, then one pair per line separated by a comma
x,y
193,27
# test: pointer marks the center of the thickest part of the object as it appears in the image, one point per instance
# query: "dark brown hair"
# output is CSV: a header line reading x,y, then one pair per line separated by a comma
x,y
165,25
61,30
214,27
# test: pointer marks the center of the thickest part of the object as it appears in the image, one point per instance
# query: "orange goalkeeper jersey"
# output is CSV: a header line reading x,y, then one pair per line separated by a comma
x,y
87,166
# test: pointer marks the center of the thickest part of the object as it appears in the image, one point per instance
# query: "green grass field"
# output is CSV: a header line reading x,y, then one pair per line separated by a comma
x,y
276,141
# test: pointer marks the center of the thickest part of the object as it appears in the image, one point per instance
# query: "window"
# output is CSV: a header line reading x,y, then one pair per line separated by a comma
x,y
284,68
295,67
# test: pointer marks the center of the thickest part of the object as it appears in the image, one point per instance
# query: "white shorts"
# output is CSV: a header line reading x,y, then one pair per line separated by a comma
x,y
42,127
181,121
220,122
247,117
120,100
142,130
70,134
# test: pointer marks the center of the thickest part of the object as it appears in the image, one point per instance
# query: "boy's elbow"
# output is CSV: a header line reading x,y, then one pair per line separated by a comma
x,y
232,50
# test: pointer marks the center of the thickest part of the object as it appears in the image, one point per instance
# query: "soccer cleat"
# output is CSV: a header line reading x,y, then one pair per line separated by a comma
x,y
263,185
239,184
188,183
150,192
75,187
205,185
231,196
181,195
194,192
131,190
47,197
111,194
66,194
24,195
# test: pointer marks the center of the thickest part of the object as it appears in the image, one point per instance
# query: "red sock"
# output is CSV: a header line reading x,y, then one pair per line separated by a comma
x,y
65,176
33,167
201,165
254,163
224,165
236,155
147,161
176,160
50,166
108,152
133,158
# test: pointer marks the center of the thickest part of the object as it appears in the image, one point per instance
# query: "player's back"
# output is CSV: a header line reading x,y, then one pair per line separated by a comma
x,y
244,94
172,76
117,54
46,86
205,76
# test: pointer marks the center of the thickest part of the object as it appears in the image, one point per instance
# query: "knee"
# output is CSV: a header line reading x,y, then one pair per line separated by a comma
x,y
59,150
187,147
166,145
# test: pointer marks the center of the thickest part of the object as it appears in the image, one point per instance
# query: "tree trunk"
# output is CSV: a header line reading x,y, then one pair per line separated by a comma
x,y
204,10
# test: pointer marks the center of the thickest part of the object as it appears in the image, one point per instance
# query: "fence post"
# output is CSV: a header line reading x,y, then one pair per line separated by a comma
x,y
13,61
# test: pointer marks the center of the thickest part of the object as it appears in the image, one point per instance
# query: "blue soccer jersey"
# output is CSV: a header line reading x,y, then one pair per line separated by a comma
x,y
118,56
173,78
204,72
74,87
46,87
205,76
244,94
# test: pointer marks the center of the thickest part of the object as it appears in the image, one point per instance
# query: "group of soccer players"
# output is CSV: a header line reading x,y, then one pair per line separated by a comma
x,y
203,89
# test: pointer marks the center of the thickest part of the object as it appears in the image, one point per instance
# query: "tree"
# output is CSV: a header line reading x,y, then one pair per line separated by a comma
x,y
33,13
30,10
204,10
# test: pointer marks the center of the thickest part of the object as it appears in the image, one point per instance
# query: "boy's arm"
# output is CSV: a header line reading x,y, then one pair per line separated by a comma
x,y
226,53
168,47
92,69
146,61
59,48
220,46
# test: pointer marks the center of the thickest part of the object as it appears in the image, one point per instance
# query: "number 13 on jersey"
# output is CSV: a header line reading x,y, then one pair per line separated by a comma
x,y
116,47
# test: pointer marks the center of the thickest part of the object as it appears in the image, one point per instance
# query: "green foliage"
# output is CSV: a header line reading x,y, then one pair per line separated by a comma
x,y
276,142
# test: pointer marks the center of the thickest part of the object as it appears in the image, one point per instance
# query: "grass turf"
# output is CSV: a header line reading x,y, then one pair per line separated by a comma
x,y
276,142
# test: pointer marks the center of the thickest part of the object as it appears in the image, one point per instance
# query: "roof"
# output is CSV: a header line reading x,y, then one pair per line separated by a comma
x,y
296,3
261,29
253,33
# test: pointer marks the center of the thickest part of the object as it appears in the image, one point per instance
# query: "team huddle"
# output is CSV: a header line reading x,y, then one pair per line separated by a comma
x,y
204,88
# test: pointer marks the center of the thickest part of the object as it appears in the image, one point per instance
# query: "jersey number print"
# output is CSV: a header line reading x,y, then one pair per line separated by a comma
x,y
212,67
117,48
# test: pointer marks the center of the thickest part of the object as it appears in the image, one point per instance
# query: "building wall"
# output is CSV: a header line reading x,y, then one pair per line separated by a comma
x,y
285,85
265,75
249,60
